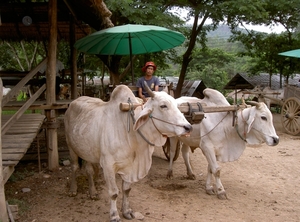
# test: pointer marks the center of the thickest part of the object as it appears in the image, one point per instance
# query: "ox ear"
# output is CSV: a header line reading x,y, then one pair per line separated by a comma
x,y
250,125
142,119
250,121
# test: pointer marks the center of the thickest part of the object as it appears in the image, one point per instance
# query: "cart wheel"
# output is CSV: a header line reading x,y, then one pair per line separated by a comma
x,y
290,115
166,149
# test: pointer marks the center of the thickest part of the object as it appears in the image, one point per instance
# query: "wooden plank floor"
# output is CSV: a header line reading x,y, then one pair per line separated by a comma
x,y
37,105
19,137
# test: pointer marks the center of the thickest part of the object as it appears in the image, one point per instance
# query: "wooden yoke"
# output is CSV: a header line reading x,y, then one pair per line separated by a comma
x,y
192,110
185,108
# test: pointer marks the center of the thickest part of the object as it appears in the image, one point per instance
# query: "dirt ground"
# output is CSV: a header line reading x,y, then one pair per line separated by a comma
x,y
263,185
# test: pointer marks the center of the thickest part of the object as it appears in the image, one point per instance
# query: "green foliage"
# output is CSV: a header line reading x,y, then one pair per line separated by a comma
x,y
22,96
23,207
263,49
20,175
24,56
11,112
209,66
195,59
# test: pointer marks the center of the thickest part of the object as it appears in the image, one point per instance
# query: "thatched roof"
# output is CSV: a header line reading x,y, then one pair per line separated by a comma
x,y
87,14
239,82
243,81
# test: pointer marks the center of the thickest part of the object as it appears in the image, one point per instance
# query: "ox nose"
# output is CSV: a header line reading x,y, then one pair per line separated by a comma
x,y
188,128
275,140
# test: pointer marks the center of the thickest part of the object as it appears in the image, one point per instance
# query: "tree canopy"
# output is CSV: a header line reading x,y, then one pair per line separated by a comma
x,y
195,58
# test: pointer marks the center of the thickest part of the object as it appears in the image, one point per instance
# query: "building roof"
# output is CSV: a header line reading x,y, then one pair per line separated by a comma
x,y
243,81
239,82
28,20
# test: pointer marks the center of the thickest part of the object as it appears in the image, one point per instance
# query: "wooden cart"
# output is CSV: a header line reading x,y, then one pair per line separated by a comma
x,y
290,107
290,111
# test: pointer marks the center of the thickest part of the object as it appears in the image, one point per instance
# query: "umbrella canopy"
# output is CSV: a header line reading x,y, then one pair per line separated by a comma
x,y
292,53
130,40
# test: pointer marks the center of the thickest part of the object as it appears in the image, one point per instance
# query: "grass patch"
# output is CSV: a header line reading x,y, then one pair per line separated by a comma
x,y
11,112
17,175
22,205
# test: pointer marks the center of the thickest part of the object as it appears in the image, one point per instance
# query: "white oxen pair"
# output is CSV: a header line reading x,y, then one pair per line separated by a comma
x,y
100,133
219,140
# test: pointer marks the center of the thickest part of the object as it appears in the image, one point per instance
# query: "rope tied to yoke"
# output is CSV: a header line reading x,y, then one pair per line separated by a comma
x,y
131,114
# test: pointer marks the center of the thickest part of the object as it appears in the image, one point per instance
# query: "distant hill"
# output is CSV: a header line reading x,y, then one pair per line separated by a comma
x,y
223,32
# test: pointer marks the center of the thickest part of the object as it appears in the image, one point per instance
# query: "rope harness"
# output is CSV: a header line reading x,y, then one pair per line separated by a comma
x,y
131,113
244,137
237,125
215,126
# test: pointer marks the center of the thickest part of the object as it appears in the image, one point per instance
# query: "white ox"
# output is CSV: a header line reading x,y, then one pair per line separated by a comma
x,y
100,133
273,97
6,91
219,140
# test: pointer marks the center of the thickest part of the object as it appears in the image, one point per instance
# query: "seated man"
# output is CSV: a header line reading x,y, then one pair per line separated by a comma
x,y
152,81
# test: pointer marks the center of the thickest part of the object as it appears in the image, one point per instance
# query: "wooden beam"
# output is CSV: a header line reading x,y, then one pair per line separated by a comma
x,y
51,136
185,107
38,107
21,111
3,211
7,172
74,77
22,83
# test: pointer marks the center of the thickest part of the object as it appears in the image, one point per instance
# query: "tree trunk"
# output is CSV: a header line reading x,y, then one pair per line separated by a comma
x,y
3,211
74,77
187,55
50,81
113,64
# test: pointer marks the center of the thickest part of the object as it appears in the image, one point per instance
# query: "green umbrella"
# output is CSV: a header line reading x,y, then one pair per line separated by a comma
x,y
130,40
292,53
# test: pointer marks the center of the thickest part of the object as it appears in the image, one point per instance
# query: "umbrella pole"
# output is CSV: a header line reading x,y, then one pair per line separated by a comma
x,y
131,65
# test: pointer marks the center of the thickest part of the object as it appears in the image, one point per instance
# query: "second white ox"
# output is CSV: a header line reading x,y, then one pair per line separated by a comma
x,y
219,140
100,133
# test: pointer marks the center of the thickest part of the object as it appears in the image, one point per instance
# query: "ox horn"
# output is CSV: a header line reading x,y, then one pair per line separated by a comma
x,y
253,103
149,91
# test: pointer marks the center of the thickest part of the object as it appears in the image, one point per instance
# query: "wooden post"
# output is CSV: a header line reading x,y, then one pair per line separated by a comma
x,y
74,77
3,211
52,146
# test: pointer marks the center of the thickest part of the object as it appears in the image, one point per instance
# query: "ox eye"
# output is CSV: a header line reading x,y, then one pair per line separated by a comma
x,y
264,118
163,106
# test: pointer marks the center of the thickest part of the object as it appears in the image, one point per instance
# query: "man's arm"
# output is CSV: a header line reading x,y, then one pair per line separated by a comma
x,y
141,95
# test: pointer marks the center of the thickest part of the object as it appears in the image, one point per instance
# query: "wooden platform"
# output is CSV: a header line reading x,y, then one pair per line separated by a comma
x,y
18,139
37,105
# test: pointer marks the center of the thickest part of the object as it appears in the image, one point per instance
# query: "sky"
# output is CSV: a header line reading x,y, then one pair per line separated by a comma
x,y
259,28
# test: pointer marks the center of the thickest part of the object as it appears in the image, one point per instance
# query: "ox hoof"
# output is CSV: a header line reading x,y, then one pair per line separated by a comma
x,y
72,194
222,196
170,175
128,214
95,197
191,177
210,192
114,217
